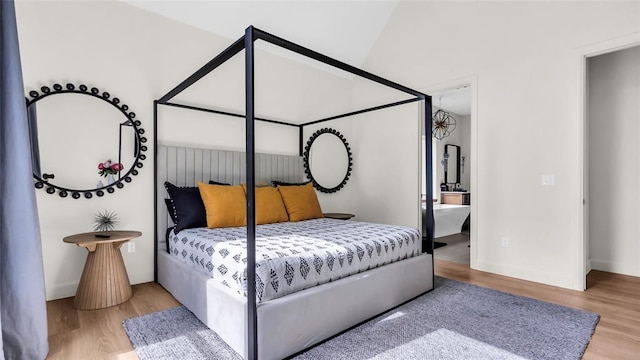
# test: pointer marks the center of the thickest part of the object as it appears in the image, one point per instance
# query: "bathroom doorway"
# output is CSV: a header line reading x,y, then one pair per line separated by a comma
x,y
453,153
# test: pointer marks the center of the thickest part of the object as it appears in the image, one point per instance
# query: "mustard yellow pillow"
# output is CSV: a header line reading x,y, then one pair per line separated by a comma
x,y
269,206
301,202
225,205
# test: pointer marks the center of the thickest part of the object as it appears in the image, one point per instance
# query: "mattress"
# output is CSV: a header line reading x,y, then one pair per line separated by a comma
x,y
293,256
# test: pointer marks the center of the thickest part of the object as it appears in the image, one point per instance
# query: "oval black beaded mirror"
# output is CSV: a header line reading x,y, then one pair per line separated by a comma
x,y
86,129
329,139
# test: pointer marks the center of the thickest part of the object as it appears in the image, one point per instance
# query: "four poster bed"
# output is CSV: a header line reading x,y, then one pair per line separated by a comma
x,y
272,290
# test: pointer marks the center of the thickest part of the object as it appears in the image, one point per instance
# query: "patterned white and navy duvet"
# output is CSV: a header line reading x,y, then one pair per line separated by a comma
x,y
293,256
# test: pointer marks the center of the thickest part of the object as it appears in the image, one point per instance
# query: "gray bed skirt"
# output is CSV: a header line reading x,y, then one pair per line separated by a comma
x,y
294,322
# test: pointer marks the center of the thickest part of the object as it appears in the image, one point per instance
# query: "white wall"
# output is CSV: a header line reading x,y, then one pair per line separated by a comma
x,y
613,152
139,56
524,57
387,177
386,185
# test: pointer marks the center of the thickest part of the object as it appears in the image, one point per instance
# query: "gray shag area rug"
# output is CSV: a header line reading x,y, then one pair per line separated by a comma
x,y
454,321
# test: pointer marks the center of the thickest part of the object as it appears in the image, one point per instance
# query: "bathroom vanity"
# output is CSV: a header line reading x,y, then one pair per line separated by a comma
x,y
455,198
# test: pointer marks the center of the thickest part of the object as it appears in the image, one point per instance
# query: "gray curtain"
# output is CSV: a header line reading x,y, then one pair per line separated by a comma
x,y
23,312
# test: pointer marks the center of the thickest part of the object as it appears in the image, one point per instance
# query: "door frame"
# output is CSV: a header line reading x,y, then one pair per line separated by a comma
x,y
582,55
472,82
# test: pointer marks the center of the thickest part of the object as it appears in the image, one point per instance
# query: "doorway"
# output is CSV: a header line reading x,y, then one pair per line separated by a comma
x,y
453,171
611,169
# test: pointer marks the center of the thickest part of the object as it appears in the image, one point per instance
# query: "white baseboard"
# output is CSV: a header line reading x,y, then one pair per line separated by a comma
x,y
145,277
612,267
529,275
61,291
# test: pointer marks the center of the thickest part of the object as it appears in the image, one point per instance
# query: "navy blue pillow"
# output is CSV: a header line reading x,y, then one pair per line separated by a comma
x,y
170,209
188,208
211,182
185,206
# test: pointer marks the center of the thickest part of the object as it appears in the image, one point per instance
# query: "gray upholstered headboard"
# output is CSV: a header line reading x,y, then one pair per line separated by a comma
x,y
184,166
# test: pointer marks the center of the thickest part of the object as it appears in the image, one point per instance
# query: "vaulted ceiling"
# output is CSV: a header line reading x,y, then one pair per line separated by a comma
x,y
345,30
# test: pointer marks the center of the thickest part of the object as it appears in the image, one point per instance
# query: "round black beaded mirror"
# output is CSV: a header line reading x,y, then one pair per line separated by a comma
x,y
335,161
81,137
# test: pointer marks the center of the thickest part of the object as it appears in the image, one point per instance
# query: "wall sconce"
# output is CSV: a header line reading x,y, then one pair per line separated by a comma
x,y
462,164
445,161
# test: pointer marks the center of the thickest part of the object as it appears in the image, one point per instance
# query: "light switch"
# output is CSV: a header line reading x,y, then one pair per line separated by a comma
x,y
548,179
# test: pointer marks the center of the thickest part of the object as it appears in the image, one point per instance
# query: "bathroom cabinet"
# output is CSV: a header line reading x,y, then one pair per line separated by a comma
x,y
455,198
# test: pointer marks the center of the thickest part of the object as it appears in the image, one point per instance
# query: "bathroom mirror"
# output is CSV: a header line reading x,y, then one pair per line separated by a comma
x,y
327,160
75,131
452,171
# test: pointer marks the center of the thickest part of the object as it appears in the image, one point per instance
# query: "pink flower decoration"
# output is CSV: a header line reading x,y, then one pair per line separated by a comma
x,y
109,168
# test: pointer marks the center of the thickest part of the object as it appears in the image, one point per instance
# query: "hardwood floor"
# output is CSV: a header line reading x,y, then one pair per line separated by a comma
x,y
457,248
98,334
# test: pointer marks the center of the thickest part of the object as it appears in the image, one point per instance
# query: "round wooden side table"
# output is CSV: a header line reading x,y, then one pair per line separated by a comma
x,y
104,281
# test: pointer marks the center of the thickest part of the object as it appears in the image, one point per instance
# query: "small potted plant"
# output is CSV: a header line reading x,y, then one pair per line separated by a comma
x,y
104,221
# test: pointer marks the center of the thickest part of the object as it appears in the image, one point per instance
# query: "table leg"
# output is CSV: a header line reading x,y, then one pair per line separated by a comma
x,y
104,281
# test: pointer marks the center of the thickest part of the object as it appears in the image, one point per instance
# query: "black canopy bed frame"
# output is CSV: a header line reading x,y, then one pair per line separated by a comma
x,y
246,43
